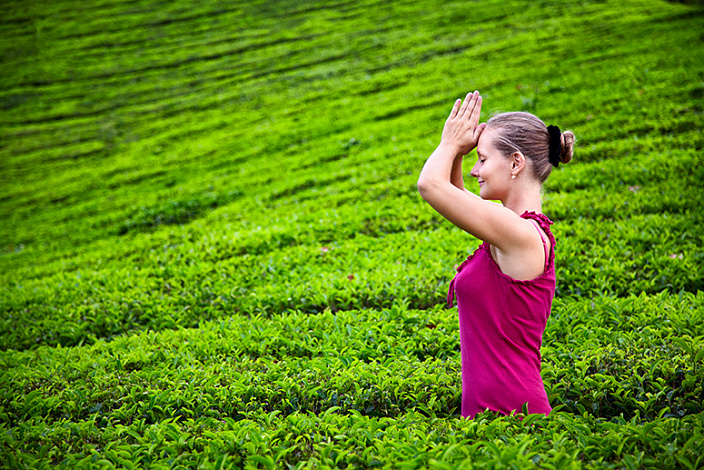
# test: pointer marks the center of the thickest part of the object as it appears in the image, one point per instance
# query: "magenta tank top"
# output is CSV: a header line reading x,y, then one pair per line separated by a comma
x,y
502,321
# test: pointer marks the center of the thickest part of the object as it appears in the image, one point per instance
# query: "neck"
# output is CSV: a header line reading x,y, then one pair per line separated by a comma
x,y
525,198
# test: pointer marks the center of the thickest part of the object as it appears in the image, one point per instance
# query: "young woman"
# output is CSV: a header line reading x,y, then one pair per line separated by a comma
x,y
505,288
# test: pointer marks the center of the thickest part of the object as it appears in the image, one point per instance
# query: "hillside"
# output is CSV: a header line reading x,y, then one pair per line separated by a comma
x,y
213,251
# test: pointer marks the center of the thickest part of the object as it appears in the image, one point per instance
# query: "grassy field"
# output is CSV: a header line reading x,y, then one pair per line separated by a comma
x,y
213,253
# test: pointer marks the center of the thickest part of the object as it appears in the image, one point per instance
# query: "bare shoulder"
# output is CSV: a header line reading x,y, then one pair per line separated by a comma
x,y
524,261
505,229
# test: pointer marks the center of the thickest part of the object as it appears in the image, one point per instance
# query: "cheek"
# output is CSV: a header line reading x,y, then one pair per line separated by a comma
x,y
497,170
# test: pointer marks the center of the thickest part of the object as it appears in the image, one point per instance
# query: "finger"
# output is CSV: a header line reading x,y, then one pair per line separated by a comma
x,y
476,111
455,108
471,103
476,98
463,110
478,131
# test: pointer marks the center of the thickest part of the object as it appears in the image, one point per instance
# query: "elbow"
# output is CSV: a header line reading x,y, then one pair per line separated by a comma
x,y
426,187
422,186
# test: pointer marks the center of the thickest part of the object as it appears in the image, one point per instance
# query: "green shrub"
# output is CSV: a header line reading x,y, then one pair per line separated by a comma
x,y
213,253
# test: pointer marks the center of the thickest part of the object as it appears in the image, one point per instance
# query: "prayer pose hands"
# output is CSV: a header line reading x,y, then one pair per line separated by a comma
x,y
462,128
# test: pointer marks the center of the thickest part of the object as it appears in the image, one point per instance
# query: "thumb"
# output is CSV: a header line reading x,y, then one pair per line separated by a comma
x,y
478,131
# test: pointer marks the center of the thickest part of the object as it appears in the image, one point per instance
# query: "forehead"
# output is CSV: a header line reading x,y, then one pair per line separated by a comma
x,y
485,144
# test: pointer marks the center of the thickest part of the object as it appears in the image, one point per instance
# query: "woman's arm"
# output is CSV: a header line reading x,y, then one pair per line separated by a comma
x,y
488,221
456,178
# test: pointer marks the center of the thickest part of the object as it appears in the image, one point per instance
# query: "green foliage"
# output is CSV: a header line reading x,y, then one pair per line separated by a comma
x,y
214,254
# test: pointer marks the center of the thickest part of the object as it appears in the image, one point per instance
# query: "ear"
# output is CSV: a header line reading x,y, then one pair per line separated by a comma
x,y
518,162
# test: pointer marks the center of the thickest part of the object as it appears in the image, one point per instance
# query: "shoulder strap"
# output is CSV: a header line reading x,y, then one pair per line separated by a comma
x,y
545,246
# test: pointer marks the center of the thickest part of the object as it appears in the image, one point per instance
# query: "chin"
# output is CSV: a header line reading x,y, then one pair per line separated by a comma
x,y
485,194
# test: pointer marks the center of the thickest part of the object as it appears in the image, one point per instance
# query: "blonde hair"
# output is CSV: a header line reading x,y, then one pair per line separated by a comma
x,y
526,133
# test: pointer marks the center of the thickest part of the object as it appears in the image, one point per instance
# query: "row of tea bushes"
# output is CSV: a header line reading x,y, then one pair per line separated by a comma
x,y
269,394
603,356
334,439
190,277
368,199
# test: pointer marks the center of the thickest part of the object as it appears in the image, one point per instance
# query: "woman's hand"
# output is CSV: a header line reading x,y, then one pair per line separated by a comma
x,y
462,128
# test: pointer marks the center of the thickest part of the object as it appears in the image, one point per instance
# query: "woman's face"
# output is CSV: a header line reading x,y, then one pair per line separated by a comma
x,y
492,170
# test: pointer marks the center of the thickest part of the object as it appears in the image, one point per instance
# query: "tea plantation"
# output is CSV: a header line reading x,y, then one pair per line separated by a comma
x,y
213,253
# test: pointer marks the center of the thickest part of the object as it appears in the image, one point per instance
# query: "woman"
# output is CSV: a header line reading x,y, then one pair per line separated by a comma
x,y
505,288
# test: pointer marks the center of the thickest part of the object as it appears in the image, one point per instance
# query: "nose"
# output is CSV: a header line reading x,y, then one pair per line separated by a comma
x,y
475,170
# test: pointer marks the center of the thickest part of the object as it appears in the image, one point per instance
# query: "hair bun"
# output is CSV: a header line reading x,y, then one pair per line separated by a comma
x,y
567,140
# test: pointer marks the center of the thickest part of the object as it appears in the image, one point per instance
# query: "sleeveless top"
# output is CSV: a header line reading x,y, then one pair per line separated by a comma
x,y
502,321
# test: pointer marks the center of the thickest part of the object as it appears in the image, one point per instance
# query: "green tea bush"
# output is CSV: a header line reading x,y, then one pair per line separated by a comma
x,y
213,253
